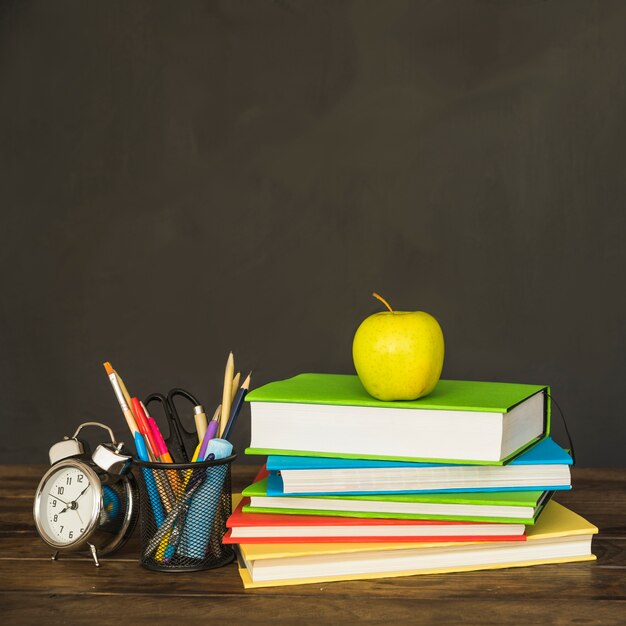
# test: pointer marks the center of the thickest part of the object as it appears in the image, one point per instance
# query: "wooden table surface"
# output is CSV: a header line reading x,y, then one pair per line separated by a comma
x,y
34,589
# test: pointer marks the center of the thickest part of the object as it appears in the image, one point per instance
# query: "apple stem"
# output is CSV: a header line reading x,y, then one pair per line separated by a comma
x,y
379,297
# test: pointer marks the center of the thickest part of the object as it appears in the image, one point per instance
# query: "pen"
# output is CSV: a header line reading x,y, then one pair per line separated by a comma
x,y
188,473
228,391
168,522
151,487
211,432
153,481
169,543
205,505
199,417
144,428
162,454
165,457
140,445
162,451
173,539
167,483
237,407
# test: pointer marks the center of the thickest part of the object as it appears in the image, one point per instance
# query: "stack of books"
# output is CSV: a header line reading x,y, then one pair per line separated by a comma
x,y
359,488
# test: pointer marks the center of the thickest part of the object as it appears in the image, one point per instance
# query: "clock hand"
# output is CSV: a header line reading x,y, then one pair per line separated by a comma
x,y
82,492
79,517
59,499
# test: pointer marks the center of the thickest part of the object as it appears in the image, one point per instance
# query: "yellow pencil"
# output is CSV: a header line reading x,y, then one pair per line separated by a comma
x,y
227,395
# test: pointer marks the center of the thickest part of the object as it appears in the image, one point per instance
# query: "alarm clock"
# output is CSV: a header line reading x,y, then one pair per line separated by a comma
x,y
86,501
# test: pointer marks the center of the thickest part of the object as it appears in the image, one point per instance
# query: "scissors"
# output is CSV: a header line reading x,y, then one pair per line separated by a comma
x,y
180,442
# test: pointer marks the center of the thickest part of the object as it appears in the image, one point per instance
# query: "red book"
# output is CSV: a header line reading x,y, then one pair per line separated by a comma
x,y
278,528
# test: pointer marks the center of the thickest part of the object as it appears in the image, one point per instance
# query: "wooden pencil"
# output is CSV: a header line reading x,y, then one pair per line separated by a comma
x,y
227,394
235,386
237,404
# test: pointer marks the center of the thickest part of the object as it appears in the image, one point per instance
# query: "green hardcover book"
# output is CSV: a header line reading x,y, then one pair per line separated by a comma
x,y
331,415
509,507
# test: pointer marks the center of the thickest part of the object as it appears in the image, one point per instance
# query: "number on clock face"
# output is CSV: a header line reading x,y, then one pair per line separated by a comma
x,y
66,504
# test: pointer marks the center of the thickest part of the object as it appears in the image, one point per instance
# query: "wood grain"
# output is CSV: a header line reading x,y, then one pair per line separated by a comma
x,y
72,590
312,609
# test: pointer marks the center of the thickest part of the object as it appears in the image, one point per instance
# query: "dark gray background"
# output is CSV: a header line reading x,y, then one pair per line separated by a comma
x,y
178,179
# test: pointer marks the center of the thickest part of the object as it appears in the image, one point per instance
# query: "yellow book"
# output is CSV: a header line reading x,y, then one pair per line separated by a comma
x,y
559,536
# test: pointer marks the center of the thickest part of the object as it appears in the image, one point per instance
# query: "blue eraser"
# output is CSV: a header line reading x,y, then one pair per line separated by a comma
x,y
220,448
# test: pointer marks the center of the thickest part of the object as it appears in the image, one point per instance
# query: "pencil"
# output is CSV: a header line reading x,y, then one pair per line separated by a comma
x,y
237,407
235,386
227,394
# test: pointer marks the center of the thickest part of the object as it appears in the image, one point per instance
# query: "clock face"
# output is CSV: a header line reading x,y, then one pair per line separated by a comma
x,y
68,503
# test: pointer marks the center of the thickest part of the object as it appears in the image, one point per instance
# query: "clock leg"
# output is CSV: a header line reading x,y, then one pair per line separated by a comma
x,y
94,554
55,556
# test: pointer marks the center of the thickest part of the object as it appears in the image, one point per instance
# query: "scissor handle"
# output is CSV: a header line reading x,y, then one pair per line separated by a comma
x,y
174,440
157,397
188,439
183,393
180,441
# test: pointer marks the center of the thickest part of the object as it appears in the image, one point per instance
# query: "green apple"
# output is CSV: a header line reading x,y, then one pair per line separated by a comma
x,y
398,355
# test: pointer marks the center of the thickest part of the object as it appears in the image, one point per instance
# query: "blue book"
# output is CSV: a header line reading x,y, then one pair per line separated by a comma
x,y
545,467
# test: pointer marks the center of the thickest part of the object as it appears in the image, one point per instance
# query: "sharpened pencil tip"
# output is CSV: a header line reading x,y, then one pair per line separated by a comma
x,y
246,383
216,415
109,369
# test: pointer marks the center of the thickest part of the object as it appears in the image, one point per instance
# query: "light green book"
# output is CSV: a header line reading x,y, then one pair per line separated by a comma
x,y
331,415
520,507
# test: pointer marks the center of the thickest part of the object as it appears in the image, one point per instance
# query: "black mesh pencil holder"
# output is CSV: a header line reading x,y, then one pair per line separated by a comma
x,y
183,513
